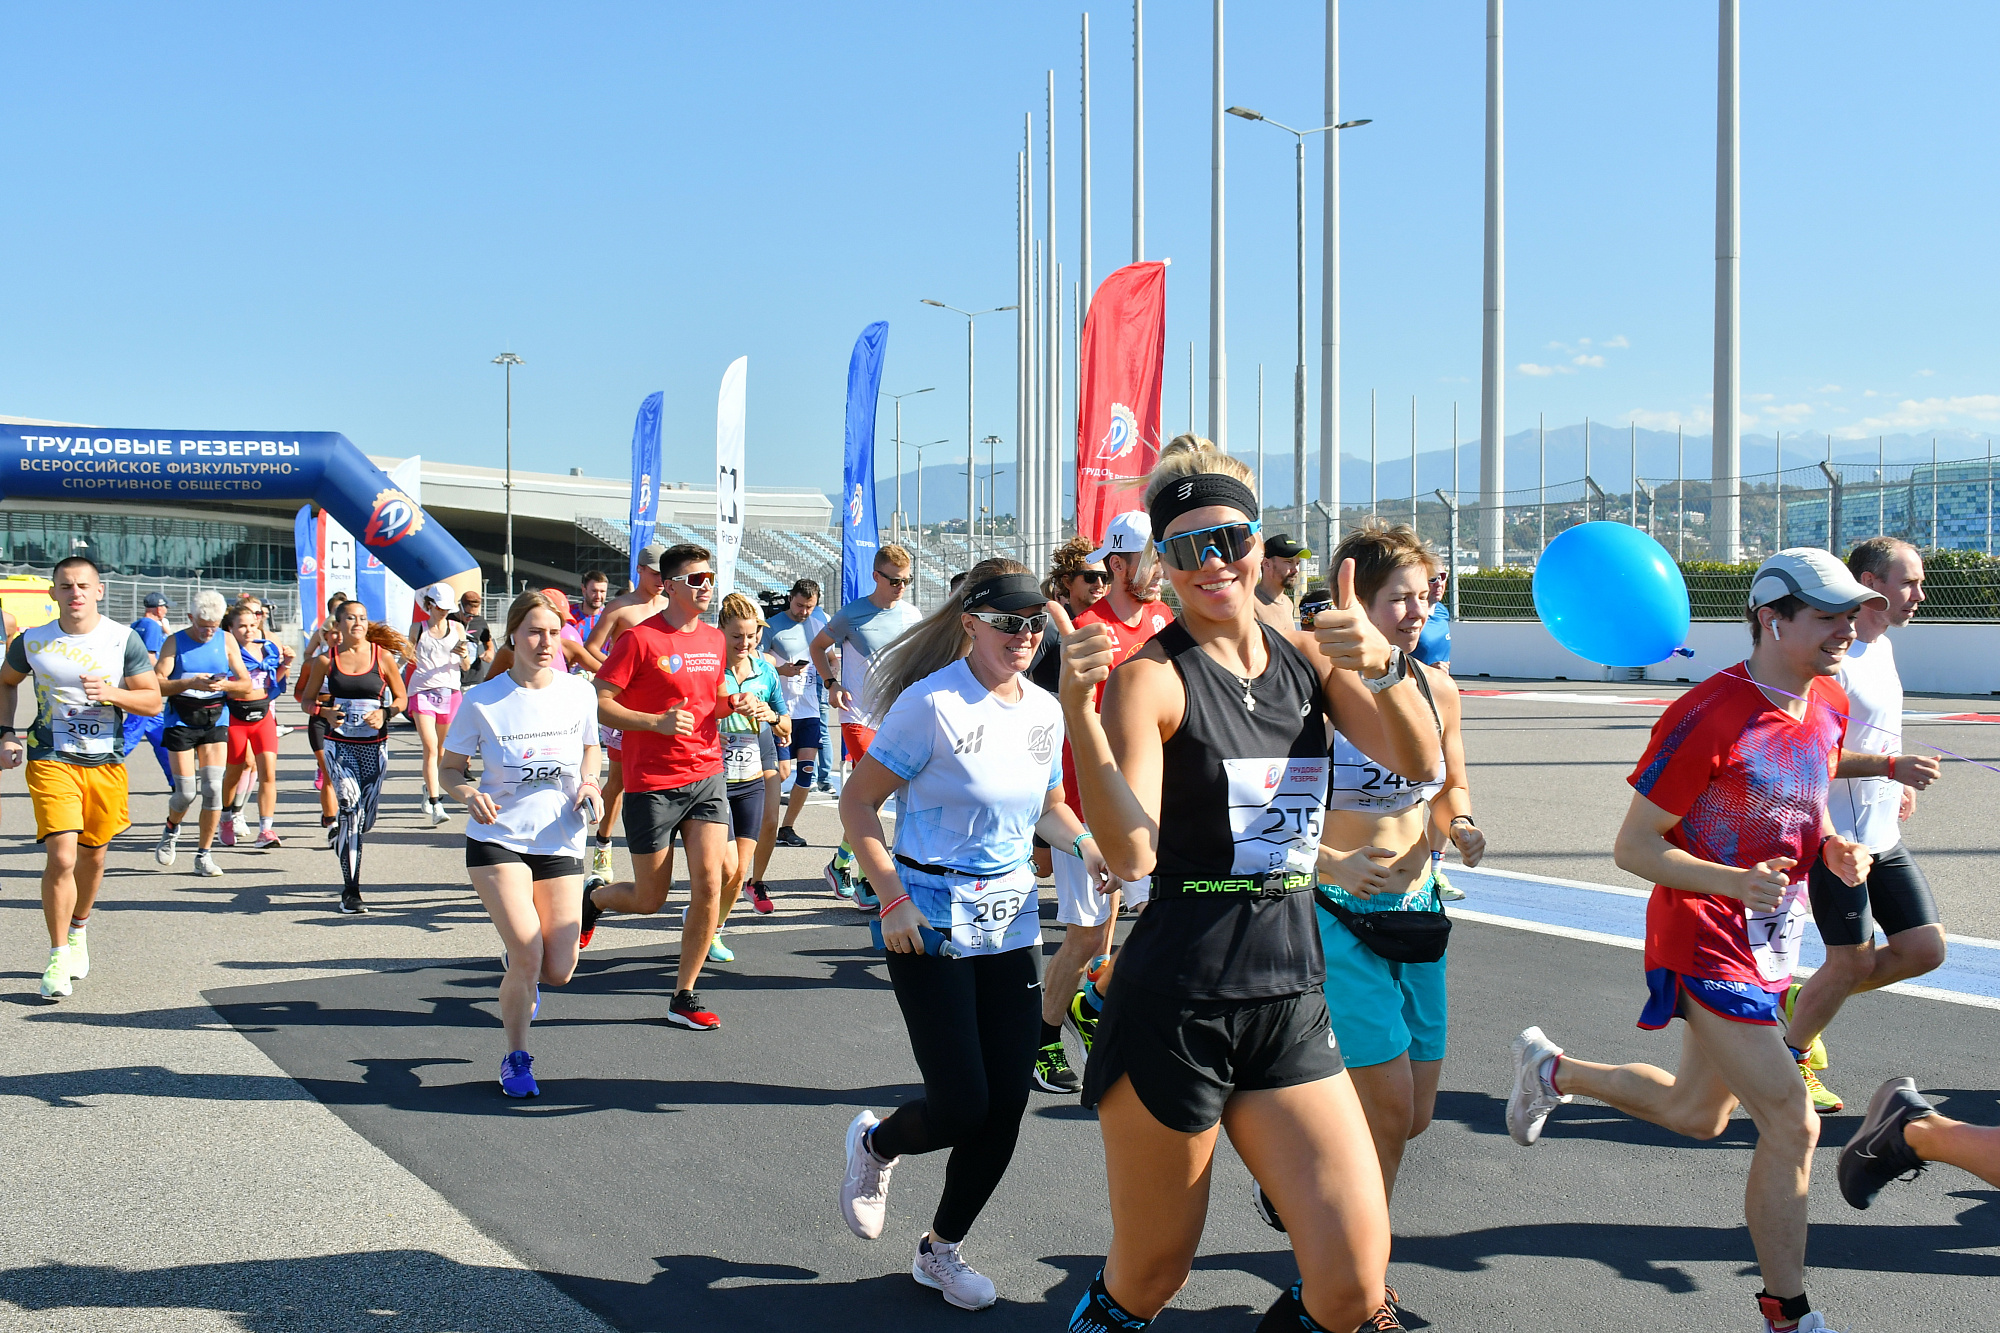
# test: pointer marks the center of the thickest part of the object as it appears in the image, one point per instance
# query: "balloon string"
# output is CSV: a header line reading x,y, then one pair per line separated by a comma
x,y
1745,678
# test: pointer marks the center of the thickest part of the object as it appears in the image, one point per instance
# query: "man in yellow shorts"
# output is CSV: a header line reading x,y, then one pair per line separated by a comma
x,y
75,750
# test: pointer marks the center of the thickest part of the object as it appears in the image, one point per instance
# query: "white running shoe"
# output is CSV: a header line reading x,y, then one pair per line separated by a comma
x,y
941,1268
1532,1099
864,1194
79,954
55,985
1812,1323
205,866
438,813
239,828
168,847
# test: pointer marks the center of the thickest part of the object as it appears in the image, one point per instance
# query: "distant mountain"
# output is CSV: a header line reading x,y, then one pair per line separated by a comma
x,y
1611,448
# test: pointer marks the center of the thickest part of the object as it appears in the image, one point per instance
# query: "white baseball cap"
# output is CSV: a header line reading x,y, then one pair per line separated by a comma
x,y
1126,534
439,595
1812,576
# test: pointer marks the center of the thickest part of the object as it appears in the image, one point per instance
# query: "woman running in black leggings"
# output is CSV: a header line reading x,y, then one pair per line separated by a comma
x,y
349,726
1208,771
976,751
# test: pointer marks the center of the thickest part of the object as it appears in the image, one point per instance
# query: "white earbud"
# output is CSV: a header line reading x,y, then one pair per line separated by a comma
x,y
1775,634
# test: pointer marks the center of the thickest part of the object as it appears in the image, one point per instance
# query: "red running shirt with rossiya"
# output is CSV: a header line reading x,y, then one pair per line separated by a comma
x,y
1126,640
657,667
1749,783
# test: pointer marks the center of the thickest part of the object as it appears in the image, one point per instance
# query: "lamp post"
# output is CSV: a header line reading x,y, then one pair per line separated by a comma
x,y
917,569
508,360
971,455
1299,374
992,495
898,398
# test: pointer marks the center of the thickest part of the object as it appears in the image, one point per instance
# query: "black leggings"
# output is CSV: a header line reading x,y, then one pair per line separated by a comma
x,y
975,1024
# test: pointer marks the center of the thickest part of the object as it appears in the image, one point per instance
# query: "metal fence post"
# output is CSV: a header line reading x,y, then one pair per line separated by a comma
x,y
1832,510
1451,526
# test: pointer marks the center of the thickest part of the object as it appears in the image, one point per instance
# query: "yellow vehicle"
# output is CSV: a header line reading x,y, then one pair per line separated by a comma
x,y
26,598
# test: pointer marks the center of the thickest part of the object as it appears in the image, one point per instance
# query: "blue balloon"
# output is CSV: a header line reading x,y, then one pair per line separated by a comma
x,y
1610,593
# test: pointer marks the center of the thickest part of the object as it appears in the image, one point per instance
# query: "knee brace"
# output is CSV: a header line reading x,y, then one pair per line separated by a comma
x,y
211,787
183,797
802,772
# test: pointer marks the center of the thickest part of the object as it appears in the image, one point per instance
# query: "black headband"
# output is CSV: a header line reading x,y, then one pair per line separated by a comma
x,y
1006,592
1198,492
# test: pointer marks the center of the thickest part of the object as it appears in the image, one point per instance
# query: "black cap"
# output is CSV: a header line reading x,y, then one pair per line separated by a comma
x,y
1282,547
1006,592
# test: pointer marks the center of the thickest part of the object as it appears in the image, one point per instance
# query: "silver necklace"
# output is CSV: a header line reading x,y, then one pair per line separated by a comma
x,y
1249,704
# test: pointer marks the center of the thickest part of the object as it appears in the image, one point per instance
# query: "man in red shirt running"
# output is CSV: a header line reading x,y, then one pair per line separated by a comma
x,y
1729,811
662,687
1131,609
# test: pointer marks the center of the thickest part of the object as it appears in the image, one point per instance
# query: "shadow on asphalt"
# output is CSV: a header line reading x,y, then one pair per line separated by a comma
x,y
361,1290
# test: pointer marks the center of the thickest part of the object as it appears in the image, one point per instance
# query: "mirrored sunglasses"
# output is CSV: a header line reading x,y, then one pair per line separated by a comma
x,y
1229,542
1011,625
700,579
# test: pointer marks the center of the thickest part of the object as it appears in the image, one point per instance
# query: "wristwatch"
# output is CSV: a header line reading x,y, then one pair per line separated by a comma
x,y
1399,667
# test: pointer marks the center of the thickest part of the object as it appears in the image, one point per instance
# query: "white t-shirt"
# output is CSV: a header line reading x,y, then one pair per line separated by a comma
x,y
530,747
1866,809
978,769
437,658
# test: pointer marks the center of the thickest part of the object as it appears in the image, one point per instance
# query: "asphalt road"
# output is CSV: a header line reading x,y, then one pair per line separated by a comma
x,y
258,1114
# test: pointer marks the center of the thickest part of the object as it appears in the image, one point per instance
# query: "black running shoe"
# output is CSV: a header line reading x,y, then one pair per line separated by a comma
x,y
1052,1071
591,911
1877,1153
1266,1209
789,837
351,904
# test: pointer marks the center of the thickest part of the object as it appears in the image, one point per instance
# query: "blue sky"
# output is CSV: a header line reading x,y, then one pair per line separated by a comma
x,y
247,216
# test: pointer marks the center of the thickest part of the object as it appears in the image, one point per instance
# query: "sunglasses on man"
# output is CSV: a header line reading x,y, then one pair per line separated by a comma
x,y
900,581
1229,542
704,578
1097,578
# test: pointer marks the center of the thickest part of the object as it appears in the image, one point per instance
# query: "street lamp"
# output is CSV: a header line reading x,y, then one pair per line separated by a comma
x,y
992,496
971,458
509,361
898,399
917,569
1299,374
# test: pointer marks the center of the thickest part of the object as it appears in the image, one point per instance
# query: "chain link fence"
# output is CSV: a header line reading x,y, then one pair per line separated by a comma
x,y
1945,509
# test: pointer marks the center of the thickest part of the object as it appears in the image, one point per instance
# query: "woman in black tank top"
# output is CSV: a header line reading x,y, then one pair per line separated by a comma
x,y
355,688
1208,771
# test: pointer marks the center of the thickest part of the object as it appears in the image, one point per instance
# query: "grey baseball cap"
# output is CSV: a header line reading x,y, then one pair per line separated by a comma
x,y
1812,576
650,556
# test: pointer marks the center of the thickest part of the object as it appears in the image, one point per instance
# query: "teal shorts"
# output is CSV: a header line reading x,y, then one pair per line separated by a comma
x,y
1381,1009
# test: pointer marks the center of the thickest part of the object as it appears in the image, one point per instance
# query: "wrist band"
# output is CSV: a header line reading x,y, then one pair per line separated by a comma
x,y
1892,768
1466,818
1076,843
892,906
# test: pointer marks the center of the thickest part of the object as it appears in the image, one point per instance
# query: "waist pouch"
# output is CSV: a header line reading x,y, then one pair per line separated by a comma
x,y
249,710
1397,937
197,714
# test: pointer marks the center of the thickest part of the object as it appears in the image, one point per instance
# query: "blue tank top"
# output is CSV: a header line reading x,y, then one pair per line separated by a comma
x,y
200,659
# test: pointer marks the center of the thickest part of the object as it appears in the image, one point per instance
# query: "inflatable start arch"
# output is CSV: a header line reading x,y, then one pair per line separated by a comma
x,y
78,463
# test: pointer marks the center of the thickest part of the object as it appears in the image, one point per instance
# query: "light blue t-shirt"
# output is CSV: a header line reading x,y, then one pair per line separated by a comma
x,y
1434,645
861,630
977,769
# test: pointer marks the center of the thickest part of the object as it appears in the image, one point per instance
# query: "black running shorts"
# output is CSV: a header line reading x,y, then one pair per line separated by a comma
x,y
540,865
746,810
1185,1058
652,816
1895,896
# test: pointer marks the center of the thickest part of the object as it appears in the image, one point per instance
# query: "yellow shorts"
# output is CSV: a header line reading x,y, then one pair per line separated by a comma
x,y
87,800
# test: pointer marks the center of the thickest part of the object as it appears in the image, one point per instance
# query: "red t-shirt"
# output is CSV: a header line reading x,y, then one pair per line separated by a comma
x,y
1749,783
657,667
1126,639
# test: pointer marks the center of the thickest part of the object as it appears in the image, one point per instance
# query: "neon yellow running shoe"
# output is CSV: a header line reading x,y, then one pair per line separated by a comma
x,y
1824,1099
1816,1057
79,953
55,977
